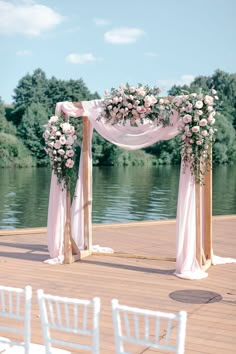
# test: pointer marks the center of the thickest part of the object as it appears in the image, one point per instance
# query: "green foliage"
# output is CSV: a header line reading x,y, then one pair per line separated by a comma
x,y
35,99
13,152
31,131
225,85
135,158
225,142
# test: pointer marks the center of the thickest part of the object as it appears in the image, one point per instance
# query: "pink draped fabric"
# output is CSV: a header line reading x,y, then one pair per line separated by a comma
x,y
131,138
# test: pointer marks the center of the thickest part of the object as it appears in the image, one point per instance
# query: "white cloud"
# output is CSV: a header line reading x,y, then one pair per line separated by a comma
x,y
185,79
81,58
27,18
151,54
123,35
24,53
101,21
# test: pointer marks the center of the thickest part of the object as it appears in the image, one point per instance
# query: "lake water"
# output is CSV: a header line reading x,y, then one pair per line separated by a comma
x,y
120,194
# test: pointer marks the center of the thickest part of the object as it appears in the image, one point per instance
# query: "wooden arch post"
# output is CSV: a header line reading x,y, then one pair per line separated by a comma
x,y
87,188
204,220
71,251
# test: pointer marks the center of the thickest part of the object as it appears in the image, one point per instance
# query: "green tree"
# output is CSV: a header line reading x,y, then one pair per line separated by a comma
x,y
5,125
31,130
3,120
30,89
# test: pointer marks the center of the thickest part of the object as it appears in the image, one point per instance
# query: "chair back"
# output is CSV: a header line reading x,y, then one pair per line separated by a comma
x,y
140,327
76,319
15,313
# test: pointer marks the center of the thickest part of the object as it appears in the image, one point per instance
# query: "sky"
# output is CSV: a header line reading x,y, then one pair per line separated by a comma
x,y
106,43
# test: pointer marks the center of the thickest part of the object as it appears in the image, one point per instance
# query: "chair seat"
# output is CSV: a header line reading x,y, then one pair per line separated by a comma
x,y
34,349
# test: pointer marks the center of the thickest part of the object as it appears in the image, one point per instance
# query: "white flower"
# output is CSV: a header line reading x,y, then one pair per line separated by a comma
x,y
53,119
199,104
66,127
62,140
61,152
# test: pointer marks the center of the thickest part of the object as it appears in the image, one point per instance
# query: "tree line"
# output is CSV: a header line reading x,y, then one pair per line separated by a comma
x,y
34,100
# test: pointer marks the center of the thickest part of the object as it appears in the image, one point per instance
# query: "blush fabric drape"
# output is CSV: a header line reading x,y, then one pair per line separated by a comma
x,y
130,138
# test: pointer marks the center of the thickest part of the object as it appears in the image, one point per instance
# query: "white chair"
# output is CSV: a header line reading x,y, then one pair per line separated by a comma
x,y
62,316
140,327
15,313
15,310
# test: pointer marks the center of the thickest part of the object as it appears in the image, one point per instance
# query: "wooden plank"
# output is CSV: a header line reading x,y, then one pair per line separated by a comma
x,y
67,232
87,185
198,223
134,281
208,214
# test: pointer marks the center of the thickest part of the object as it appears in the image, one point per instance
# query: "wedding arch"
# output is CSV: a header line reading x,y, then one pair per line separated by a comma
x,y
70,226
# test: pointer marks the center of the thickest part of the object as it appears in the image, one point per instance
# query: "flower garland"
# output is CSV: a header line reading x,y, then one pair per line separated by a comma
x,y
135,105
197,116
60,137
139,105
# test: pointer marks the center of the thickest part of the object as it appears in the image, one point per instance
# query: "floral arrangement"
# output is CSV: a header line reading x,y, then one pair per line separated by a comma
x,y
197,116
136,105
60,137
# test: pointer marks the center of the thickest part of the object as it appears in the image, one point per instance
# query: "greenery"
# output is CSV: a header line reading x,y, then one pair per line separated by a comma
x,y
34,100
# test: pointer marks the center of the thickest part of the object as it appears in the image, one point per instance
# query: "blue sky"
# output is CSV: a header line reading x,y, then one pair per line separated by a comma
x,y
106,43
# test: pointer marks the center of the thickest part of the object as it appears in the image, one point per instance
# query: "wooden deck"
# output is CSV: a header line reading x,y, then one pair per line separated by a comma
x,y
141,282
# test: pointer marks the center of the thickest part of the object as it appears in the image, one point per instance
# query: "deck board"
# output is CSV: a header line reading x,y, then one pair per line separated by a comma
x,y
146,283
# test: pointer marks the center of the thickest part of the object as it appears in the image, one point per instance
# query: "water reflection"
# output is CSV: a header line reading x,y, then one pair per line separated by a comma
x,y
134,193
119,194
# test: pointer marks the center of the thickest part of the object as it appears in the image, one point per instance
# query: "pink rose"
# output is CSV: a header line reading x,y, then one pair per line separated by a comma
x,y
211,119
69,163
198,142
187,118
203,122
209,100
140,91
115,100
211,131
210,108
57,144
132,89
199,112
189,107
61,152
204,133
199,104
53,119
62,140
141,109
130,106
195,129
70,153
51,144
